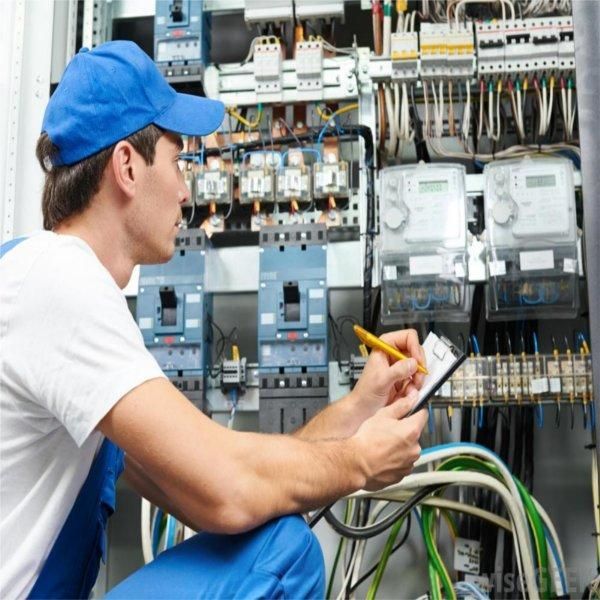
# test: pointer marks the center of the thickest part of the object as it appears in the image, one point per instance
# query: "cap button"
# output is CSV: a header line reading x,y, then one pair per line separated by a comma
x,y
84,49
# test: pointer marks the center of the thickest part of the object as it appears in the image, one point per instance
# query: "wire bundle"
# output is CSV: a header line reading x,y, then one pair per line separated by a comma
x,y
539,554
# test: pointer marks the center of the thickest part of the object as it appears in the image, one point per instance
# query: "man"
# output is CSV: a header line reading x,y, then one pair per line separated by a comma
x,y
74,374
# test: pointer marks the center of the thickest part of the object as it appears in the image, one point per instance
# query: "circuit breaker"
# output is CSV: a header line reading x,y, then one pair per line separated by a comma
x,y
173,309
531,239
292,325
181,39
424,266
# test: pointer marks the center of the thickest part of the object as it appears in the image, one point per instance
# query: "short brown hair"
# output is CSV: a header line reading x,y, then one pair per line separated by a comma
x,y
68,189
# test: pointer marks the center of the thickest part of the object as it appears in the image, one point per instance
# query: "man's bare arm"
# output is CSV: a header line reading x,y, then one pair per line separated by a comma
x,y
226,481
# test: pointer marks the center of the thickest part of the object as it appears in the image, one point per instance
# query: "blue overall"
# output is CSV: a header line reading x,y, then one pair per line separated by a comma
x,y
280,559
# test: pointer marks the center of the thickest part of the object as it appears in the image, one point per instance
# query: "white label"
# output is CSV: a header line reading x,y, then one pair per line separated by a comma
x,y
146,323
459,270
466,556
192,323
555,386
570,265
315,319
192,298
533,261
426,265
539,386
390,272
497,267
266,350
267,318
316,293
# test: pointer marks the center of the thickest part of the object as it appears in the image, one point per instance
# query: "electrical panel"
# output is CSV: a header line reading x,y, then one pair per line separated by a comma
x,y
181,39
173,310
531,239
292,325
423,254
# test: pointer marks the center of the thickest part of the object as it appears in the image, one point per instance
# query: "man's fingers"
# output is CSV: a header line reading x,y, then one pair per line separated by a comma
x,y
407,341
401,370
401,407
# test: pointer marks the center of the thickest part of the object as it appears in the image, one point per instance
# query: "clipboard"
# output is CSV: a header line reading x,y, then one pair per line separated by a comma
x,y
443,358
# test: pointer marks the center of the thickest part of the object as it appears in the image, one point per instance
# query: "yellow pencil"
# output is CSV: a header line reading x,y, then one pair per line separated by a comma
x,y
374,342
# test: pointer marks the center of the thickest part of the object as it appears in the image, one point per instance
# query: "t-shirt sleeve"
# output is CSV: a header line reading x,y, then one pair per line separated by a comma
x,y
82,348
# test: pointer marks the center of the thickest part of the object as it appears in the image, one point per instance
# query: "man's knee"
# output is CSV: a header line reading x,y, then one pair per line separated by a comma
x,y
293,554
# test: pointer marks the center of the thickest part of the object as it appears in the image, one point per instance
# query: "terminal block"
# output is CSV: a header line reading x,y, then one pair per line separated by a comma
x,y
309,65
233,375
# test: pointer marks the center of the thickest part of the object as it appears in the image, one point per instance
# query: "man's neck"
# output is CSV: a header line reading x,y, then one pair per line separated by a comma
x,y
108,245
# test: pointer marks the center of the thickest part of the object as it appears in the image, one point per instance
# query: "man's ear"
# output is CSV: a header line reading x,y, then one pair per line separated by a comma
x,y
125,163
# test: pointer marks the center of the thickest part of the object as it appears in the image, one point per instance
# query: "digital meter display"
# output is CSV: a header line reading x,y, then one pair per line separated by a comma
x,y
538,181
433,187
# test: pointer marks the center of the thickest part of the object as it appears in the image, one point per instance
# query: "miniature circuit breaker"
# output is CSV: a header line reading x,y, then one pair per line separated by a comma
x,y
181,39
292,325
423,254
531,239
172,312
405,56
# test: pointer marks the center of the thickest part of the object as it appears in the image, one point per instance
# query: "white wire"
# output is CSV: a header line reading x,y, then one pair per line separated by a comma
x,y
145,531
466,124
522,540
504,2
480,124
389,106
397,124
498,128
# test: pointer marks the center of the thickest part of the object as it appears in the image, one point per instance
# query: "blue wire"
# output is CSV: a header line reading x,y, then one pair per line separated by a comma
x,y
303,150
202,154
417,306
430,420
156,531
561,567
536,347
171,529
475,343
539,415
592,415
480,418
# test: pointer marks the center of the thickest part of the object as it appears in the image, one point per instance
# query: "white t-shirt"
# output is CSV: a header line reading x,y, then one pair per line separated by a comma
x,y
69,350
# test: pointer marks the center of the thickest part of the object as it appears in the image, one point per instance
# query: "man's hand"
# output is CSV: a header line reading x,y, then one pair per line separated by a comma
x,y
388,443
384,380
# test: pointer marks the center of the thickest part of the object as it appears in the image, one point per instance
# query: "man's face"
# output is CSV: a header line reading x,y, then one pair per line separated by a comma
x,y
157,212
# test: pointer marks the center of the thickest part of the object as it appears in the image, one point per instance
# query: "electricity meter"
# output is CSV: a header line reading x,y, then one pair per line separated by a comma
x,y
531,238
294,179
213,185
257,178
423,224
331,178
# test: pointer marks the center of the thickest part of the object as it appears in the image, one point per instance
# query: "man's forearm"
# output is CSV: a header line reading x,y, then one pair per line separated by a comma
x,y
339,420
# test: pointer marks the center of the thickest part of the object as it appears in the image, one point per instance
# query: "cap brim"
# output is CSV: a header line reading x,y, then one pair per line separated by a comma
x,y
192,115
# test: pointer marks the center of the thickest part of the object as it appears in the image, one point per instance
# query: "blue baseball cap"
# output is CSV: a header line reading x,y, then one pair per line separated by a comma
x,y
108,93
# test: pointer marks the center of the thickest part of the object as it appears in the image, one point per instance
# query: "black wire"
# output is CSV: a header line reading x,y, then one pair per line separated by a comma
x,y
365,533
372,569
